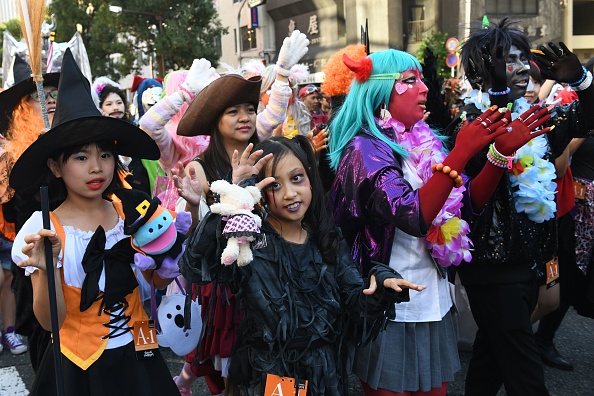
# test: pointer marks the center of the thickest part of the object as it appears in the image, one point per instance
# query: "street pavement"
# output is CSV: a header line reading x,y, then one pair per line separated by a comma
x,y
575,340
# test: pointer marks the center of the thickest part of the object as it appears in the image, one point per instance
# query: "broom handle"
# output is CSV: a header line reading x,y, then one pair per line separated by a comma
x,y
42,102
49,260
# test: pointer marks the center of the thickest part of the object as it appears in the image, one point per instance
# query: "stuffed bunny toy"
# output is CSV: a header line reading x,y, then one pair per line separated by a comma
x,y
242,226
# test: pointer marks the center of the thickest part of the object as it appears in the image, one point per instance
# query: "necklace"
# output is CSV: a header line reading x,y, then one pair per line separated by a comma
x,y
447,238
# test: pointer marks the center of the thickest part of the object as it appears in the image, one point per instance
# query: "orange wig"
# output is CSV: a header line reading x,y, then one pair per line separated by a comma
x,y
339,77
25,127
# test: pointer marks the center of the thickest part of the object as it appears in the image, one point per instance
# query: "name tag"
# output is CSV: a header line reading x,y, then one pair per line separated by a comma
x,y
552,272
145,339
284,386
579,189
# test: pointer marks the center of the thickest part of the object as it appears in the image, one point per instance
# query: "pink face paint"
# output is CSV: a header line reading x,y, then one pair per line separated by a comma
x,y
401,87
510,68
409,105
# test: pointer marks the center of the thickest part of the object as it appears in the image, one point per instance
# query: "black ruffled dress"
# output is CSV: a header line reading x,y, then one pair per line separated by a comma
x,y
301,314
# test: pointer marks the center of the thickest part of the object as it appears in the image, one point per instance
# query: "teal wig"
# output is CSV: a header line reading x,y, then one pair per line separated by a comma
x,y
363,102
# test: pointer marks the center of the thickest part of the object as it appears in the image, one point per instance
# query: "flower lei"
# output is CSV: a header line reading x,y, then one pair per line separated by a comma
x,y
532,174
448,234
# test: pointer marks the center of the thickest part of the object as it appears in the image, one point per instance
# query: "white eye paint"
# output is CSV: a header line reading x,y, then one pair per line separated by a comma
x,y
530,86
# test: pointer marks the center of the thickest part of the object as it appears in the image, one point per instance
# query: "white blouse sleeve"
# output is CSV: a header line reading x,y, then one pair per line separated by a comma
x,y
31,226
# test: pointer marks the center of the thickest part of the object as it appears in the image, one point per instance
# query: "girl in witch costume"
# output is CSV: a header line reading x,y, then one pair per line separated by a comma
x,y
516,235
21,123
97,293
400,200
302,297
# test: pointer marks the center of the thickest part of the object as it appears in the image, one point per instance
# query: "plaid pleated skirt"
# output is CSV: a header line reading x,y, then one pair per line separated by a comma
x,y
410,356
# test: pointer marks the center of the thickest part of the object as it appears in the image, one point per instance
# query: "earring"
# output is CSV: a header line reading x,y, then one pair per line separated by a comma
x,y
384,115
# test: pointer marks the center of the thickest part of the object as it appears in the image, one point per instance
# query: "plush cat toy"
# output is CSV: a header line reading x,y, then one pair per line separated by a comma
x,y
156,233
242,226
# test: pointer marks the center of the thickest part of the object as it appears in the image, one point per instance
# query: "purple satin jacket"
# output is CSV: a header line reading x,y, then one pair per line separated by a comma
x,y
370,199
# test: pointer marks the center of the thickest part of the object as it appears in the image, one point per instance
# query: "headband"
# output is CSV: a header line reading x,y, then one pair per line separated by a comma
x,y
363,67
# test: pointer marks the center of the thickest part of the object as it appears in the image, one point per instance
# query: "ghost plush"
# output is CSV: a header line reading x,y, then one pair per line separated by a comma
x,y
171,320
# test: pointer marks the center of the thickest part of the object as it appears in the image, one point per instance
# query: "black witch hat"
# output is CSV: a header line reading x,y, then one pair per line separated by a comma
x,y
23,86
78,122
138,208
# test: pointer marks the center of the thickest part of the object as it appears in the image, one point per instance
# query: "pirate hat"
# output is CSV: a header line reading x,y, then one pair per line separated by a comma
x,y
78,122
225,91
23,86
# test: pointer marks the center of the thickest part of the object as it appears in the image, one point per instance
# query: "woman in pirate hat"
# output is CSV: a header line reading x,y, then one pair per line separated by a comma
x,y
98,301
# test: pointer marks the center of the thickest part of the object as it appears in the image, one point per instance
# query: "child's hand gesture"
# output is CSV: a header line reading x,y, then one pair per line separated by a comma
x,y
249,164
392,283
35,249
188,185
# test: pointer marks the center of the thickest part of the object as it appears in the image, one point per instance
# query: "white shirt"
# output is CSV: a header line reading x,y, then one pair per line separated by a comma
x,y
411,258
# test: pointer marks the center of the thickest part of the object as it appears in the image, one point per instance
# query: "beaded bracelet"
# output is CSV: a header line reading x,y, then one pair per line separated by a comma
x,y
496,162
457,179
584,84
496,93
581,80
500,160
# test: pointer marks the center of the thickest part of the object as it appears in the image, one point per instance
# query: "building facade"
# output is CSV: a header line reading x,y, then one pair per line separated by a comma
x,y
8,10
250,36
332,24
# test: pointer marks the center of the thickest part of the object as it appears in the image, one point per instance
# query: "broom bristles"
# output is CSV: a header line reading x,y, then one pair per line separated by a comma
x,y
32,14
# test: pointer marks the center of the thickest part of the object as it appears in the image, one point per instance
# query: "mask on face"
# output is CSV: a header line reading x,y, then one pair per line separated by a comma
x,y
150,97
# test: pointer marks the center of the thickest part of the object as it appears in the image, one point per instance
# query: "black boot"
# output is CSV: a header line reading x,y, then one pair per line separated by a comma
x,y
551,357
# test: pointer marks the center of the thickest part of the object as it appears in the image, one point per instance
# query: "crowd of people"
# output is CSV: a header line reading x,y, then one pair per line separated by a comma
x,y
325,225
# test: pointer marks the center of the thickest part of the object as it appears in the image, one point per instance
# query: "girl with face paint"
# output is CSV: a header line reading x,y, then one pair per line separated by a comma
x,y
515,238
402,200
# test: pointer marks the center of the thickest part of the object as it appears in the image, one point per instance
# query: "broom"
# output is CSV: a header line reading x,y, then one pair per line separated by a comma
x,y
32,13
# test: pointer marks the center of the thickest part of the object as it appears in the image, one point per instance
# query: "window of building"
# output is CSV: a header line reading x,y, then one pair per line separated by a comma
x,y
511,7
248,38
218,44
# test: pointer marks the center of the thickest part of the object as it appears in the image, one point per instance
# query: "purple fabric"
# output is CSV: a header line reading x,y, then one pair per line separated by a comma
x,y
370,199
